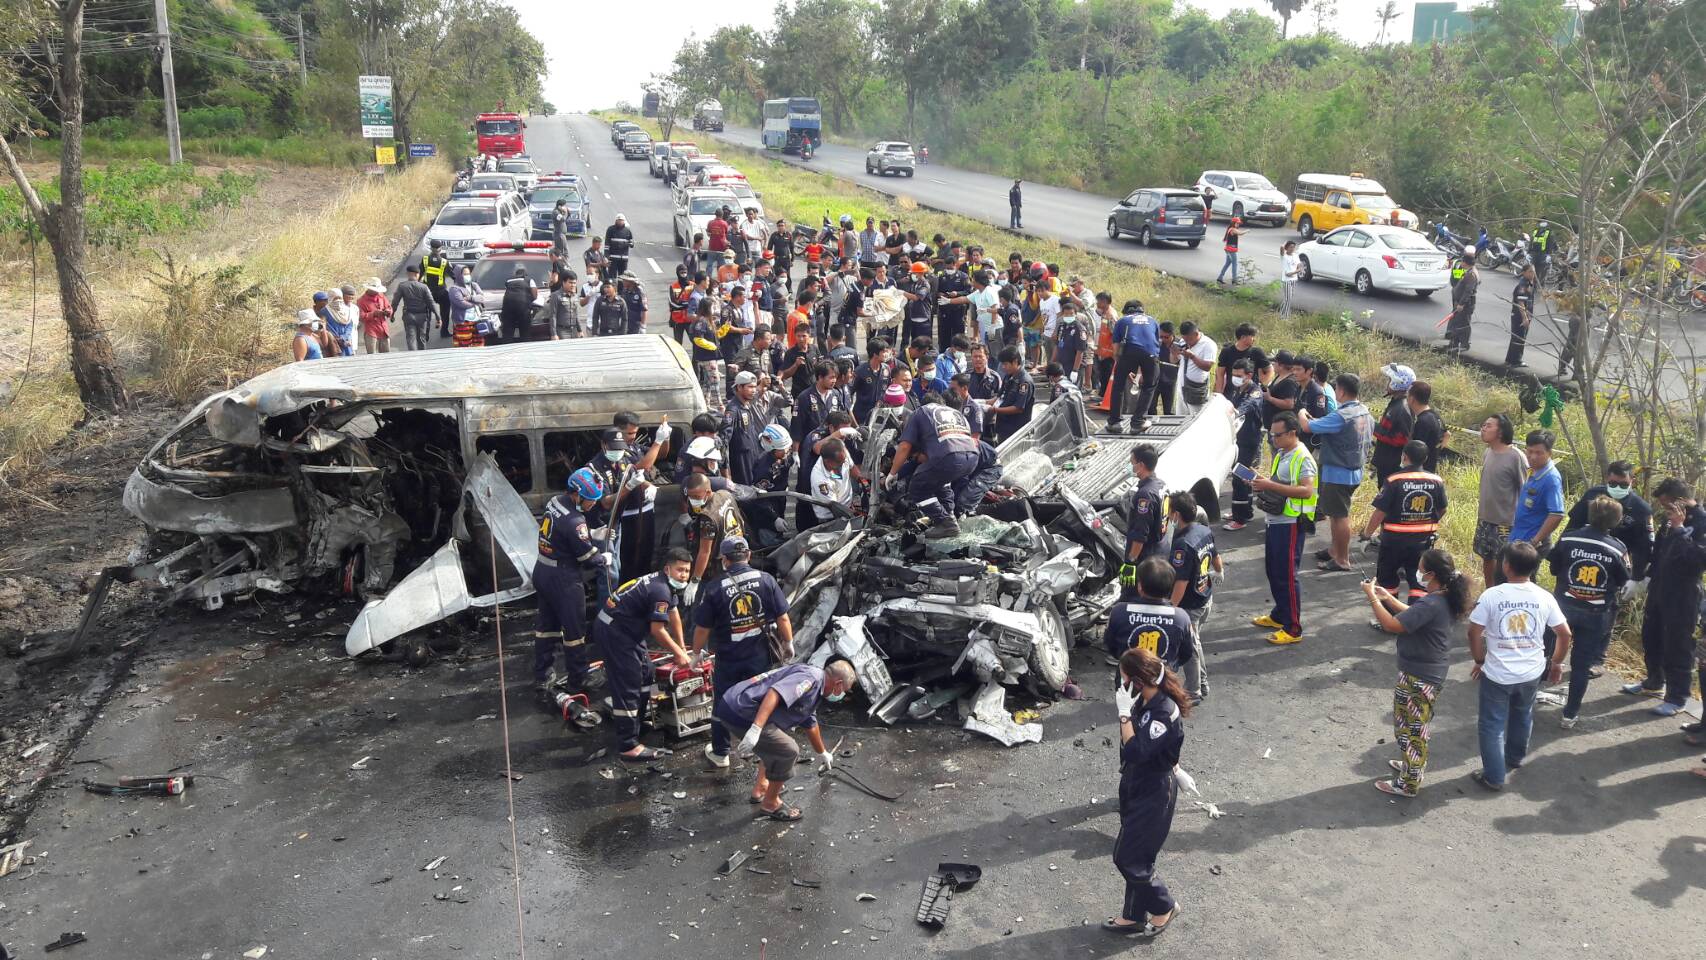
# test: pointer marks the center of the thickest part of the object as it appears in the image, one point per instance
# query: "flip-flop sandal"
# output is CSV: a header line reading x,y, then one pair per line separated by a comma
x,y
755,801
1397,766
647,755
1327,566
1391,789
782,814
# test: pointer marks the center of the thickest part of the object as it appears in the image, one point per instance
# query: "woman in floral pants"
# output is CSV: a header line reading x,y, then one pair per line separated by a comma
x,y
1424,631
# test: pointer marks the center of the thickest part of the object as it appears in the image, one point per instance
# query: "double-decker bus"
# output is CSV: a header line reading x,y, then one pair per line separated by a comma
x,y
789,121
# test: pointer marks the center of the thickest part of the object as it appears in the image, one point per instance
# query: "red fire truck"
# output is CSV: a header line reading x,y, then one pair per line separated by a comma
x,y
499,134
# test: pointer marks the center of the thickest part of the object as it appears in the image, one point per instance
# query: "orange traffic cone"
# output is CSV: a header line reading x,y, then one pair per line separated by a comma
x,y
1107,401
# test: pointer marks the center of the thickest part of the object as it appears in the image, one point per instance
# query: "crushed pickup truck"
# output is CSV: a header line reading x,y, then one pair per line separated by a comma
x,y
927,623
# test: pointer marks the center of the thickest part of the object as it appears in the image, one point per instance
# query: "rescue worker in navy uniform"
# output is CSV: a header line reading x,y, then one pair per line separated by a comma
x,y
619,243
617,464
942,435
771,475
1635,530
1408,511
641,609
566,551
515,313
1145,617
743,421
634,301
1146,520
959,394
1673,599
740,612
435,267
1591,567
1012,407
1151,706
969,493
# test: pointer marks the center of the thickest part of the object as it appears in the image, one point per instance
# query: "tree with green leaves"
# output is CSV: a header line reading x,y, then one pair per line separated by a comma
x,y
1285,8
55,28
911,38
822,47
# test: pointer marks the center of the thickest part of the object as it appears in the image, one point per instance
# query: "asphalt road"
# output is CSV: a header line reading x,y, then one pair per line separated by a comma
x,y
1078,218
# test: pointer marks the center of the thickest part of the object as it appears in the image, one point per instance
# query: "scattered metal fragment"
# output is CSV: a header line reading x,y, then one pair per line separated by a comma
x,y
758,870
865,897
809,884
939,889
733,862
66,939
435,864
360,764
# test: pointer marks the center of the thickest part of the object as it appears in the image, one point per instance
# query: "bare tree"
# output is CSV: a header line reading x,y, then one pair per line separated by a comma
x,y
1621,146
99,381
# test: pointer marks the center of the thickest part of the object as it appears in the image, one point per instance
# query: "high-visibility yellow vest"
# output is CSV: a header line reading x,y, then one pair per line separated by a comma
x,y
1295,507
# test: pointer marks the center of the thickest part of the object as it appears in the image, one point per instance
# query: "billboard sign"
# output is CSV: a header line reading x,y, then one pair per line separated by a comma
x,y
377,119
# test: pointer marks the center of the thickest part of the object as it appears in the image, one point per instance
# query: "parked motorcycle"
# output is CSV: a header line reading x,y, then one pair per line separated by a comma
x,y
825,236
1498,254
1449,243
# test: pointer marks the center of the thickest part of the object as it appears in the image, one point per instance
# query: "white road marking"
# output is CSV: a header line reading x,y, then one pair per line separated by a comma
x,y
606,196
654,265
594,176
934,180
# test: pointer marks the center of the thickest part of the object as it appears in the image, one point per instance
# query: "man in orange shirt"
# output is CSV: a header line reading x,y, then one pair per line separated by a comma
x,y
799,319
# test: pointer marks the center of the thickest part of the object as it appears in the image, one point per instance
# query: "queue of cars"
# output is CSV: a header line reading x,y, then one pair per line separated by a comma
x,y
701,184
1353,232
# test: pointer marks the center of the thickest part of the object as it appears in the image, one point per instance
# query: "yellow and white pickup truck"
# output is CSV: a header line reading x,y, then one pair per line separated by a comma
x,y
1325,201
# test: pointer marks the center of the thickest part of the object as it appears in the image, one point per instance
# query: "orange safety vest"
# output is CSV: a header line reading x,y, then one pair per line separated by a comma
x,y
1419,510
678,293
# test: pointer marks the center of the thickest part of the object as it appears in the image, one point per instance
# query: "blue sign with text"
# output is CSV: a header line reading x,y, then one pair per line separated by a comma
x,y
423,150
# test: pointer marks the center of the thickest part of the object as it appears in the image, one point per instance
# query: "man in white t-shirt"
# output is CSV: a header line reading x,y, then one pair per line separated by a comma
x,y
756,233
1291,271
1197,359
1507,637
1049,310
829,480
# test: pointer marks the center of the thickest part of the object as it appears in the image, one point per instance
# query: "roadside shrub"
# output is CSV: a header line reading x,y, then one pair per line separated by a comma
x,y
205,121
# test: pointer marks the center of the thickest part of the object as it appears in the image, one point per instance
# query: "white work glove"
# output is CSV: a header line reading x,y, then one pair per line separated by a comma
x,y
780,525
690,593
748,742
686,519
1185,781
1216,576
662,434
825,763
944,301
848,433
1632,589
1125,697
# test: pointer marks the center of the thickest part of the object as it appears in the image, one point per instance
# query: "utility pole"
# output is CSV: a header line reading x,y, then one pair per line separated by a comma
x,y
168,84
301,48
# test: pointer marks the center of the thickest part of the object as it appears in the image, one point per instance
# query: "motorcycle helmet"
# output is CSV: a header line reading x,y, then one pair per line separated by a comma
x,y
703,448
847,219
585,483
775,438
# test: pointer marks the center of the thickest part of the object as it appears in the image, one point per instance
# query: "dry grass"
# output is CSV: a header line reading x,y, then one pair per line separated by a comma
x,y
208,310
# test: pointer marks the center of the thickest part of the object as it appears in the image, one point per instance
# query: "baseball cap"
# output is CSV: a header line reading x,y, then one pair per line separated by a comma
x,y
734,545
744,378
320,296
1400,376
612,439
621,217
304,318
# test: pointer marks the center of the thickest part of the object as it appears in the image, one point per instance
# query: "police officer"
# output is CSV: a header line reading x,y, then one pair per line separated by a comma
x,y
1408,511
1196,562
1146,520
942,435
566,551
1012,406
959,394
811,409
1673,599
641,609
743,421
618,243
1136,345
516,311
560,229
1540,250
1635,529
1591,566
434,266
624,470
952,284
609,316
634,299
713,516
871,379
1145,617
743,610
985,382
1151,706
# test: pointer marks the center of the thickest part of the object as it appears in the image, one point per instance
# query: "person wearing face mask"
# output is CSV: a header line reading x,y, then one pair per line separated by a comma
x,y
771,475
1146,518
746,614
1151,706
1146,619
644,608
941,434
830,479
1673,601
1246,396
566,553
1591,566
625,470
713,518
773,703
1424,628
1634,530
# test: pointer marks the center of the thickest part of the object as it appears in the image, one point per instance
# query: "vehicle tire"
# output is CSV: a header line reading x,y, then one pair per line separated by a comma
x,y
1424,294
1238,210
1306,227
1193,244
1113,229
910,173
1304,274
1051,650
675,232
1365,283
1144,238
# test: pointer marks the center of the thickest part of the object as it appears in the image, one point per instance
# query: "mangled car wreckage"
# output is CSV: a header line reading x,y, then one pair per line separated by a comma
x,y
336,475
